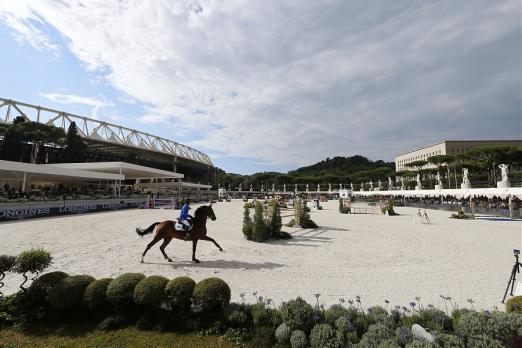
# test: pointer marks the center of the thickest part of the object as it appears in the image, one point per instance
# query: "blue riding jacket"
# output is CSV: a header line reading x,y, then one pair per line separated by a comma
x,y
183,215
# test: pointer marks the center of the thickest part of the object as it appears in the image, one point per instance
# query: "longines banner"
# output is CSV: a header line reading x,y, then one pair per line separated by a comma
x,y
19,213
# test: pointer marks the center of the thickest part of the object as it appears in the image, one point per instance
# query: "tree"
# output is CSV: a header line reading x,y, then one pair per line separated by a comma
x,y
74,151
247,223
260,229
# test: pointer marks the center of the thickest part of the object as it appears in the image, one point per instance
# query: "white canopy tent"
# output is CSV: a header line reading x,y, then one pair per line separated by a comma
x,y
24,172
130,171
459,193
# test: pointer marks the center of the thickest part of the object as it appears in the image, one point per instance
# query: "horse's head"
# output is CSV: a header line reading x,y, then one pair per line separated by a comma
x,y
210,212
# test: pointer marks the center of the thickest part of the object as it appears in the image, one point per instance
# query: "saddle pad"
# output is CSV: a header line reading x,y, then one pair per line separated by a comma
x,y
180,227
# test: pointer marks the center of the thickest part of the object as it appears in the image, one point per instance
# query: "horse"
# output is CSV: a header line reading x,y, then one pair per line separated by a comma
x,y
166,230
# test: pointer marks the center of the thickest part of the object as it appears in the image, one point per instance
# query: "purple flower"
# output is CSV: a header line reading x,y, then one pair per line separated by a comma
x,y
430,306
413,304
317,295
316,318
486,312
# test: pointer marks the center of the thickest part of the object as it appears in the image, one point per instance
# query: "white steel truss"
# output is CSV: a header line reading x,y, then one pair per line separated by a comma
x,y
97,130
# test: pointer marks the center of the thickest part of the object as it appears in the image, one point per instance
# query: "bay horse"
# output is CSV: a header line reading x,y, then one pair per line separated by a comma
x,y
166,230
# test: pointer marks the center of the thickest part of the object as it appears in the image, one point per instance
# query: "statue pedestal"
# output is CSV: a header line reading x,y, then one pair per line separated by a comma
x,y
439,187
465,186
418,188
503,184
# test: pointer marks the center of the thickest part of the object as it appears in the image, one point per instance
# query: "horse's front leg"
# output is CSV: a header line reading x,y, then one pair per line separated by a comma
x,y
212,240
194,246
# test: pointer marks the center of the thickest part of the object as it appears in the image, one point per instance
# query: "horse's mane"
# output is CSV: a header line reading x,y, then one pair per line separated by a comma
x,y
199,211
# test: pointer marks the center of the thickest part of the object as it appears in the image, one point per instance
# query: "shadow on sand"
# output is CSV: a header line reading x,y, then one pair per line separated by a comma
x,y
223,264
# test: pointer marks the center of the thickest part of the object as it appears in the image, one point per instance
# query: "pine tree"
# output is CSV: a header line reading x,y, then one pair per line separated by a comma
x,y
260,230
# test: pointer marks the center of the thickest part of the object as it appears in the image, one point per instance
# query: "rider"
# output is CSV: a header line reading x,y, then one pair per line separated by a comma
x,y
184,215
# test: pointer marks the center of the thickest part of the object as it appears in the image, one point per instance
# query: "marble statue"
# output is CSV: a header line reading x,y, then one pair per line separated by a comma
x,y
419,184
402,183
379,184
362,186
465,179
351,185
240,187
340,186
439,179
284,187
262,188
295,187
371,185
504,172
273,188
390,183
318,187
306,187
251,188
329,187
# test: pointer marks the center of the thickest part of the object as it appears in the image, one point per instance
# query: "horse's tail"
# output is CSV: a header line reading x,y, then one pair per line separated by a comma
x,y
148,230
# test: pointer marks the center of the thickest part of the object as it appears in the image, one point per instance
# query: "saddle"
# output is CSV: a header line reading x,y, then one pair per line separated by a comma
x,y
181,227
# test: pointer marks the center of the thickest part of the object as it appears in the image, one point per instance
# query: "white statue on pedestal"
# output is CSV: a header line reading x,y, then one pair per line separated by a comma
x,y
273,188
295,187
504,172
362,186
318,187
403,187
439,179
340,186
240,187
351,185
262,188
390,183
284,187
419,184
228,187
379,184
371,185
465,179
306,187
329,187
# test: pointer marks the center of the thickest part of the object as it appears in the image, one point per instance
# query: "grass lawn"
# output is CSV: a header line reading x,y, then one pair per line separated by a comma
x,y
128,337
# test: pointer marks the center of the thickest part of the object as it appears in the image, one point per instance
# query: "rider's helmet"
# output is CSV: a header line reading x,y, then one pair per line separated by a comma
x,y
187,200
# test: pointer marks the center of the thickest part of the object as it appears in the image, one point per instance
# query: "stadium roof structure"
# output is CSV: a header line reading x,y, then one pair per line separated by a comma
x,y
20,171
128,170
101,132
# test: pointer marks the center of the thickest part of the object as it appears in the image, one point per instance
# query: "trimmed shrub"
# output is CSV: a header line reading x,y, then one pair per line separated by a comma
x,y
263,316
448,341
497,325
32,261
179,292
298,314
113,322
237,318
68,293
514,304
263,337
247,223
276,222
150,291
346,330
404,335
298,339
7,263
212,294
323,335
39,289
283,333
389,343
260,229
334,312
95,296
376,334
120,292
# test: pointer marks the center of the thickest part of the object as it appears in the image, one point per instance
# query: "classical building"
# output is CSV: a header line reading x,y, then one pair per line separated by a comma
x,y
447,147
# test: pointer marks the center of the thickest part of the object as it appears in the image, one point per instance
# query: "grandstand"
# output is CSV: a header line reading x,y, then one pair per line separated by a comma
x,y
107,142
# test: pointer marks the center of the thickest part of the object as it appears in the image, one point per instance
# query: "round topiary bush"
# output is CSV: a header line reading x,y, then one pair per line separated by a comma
x,y
298,339
150,291
212,294
238,315
323,335
514,304
179,291
95,296
120,292
39,289
283,333
334,312
298,314
68,293
376,334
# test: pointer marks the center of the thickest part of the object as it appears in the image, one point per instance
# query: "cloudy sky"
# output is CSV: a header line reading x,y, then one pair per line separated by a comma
x,y
272,85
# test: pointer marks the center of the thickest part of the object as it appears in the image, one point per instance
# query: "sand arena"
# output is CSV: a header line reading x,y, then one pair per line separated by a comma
x,y
376,257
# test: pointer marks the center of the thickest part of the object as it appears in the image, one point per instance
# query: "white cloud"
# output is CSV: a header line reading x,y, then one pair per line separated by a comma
x,y
292,82
96,104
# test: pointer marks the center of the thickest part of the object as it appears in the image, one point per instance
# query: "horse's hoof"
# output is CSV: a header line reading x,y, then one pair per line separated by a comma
x,y
196,261
169,260
221,249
